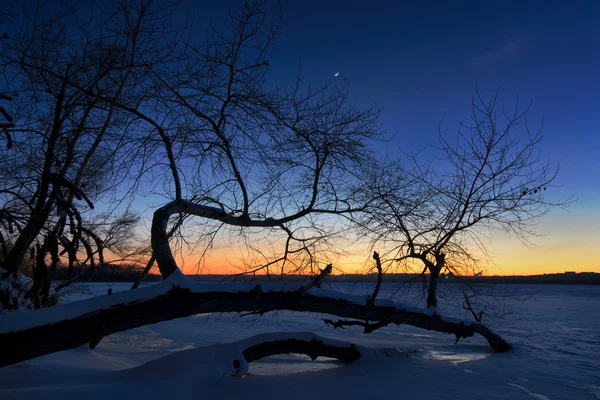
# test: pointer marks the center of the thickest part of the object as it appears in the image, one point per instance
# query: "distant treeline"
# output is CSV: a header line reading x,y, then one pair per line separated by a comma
x,y
105,273
584,278
129,273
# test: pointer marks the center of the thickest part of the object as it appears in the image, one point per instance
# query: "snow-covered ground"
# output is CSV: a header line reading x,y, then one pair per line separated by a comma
x,y
556,355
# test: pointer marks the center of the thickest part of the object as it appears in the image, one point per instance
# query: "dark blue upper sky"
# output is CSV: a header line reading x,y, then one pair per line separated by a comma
x,y
422,60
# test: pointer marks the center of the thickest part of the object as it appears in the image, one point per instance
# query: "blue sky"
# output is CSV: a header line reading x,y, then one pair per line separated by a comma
x,y
422,61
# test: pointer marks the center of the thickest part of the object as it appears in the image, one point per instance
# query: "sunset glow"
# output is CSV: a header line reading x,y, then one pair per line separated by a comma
x,y
316,199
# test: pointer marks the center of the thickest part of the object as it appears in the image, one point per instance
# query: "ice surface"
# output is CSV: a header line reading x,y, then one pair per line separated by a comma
x,y
556,356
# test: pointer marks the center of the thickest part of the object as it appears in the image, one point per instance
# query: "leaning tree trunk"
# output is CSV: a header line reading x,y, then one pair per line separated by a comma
x,y
71,325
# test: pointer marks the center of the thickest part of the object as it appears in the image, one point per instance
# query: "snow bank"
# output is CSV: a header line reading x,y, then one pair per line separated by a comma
x,y
556,355
12,292
228,359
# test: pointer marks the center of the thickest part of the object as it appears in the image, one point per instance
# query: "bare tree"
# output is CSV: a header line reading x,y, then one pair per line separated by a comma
x,y
435,215
242,155
271,159
71,144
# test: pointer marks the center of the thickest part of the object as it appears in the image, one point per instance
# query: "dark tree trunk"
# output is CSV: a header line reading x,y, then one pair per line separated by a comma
x,y
40,274
17,253
27,236
434,278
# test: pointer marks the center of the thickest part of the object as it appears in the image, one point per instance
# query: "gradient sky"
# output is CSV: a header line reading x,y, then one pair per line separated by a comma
x,y
422,60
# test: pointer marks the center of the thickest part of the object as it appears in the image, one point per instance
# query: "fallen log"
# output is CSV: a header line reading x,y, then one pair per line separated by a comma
x,y
313,347
33,334
235,358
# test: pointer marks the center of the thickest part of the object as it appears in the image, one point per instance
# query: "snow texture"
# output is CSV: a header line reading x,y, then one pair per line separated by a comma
x,y
556,356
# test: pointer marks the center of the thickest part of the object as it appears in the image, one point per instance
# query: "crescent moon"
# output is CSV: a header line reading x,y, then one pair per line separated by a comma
x,y
336,74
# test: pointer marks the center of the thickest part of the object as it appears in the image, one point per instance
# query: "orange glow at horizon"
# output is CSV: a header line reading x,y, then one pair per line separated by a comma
x,y
519,260
564,248
566,244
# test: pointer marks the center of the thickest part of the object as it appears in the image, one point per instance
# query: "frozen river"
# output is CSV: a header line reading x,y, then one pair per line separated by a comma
x,y
560,323
555,330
